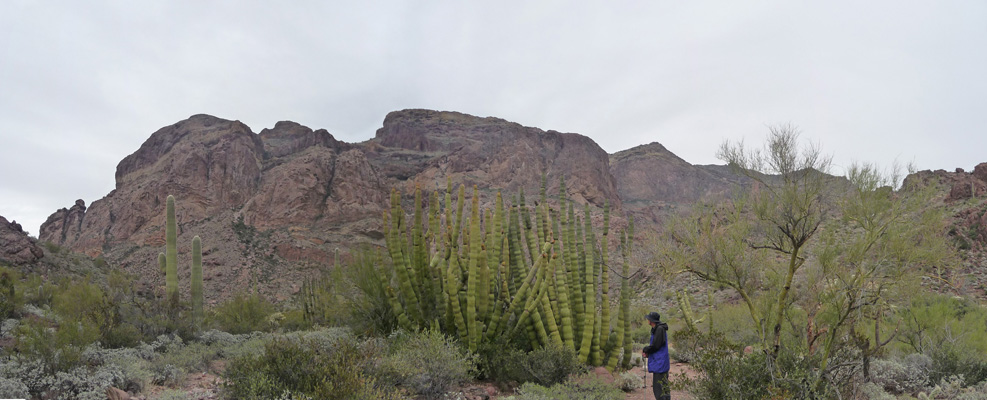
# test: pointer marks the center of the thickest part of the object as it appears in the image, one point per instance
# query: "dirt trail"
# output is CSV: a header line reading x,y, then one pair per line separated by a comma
x,y
677,369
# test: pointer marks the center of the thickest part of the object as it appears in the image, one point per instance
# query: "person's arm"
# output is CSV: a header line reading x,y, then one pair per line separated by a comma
x,y
659,341
651,348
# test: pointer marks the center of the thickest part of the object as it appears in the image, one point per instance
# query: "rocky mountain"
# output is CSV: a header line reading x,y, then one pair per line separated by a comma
x,y
652,181
271,206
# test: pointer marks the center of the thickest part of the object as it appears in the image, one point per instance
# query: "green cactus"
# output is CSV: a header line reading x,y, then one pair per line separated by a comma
x,y
625,293
495,271
171,251
197,281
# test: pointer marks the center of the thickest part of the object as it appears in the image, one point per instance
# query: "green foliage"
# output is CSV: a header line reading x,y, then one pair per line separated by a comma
x,y
949,330
351,295
544,366
429,364
308,368
243,314
586,387
9,299
730,373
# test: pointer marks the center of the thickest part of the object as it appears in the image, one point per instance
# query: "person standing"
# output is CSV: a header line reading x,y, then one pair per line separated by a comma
x,y
657,354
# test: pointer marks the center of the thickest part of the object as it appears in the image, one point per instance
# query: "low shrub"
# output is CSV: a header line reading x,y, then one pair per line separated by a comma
x,y
243,314
629,381
305,368
544,366
908,374
950,331
586,387
429,364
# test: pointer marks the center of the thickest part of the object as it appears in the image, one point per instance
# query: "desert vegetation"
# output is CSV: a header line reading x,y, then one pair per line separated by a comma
x,y
800,285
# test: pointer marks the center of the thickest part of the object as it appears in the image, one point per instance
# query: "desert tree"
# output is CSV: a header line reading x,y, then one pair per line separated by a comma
x,y
868,257
787,203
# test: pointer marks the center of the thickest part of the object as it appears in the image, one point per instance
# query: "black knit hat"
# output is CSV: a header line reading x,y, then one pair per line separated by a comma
x,y
653,317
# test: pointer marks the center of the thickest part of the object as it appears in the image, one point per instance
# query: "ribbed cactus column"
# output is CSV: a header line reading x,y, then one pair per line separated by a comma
x,y
625,293
171,250
589,294
197,280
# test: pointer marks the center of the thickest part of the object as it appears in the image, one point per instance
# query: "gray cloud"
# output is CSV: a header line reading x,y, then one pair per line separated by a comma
x,y
85,83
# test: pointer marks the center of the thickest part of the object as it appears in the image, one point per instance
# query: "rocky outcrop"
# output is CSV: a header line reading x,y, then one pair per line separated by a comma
x,y
65,224
652,180
16,247
423,147
958,185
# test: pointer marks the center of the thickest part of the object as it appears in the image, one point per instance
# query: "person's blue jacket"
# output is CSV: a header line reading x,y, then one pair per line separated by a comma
x,y
657,351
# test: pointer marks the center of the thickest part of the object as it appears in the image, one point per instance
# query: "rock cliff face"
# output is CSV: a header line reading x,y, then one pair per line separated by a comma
x,y
424,147
16,247
270,207
652,181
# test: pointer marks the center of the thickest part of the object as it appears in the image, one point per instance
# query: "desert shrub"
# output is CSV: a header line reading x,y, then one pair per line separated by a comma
x,y
9,327
429,364
588,387
629,381
13,388
10,297
304,367
950,331
364,296
903,375
544,366
243,314
953,388
728,373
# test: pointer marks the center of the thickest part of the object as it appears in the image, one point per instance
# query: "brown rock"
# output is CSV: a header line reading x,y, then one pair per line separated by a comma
x,y
980,172
651,180
425,147
16,247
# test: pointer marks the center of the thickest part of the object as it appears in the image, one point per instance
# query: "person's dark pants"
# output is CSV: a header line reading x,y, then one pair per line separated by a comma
x,y
663,390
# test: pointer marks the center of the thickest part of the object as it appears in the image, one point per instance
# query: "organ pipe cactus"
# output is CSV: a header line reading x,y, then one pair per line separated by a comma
x,y
490,272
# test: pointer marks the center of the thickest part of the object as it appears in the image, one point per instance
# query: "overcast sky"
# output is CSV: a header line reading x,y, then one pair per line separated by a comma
x,y
84,83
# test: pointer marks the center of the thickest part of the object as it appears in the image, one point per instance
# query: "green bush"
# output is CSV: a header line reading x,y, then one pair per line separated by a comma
x,y
951,331
903,375
586,387
429,364
305,367
243,314
545,366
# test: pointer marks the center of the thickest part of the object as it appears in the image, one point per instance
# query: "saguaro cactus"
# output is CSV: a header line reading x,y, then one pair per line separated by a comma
x,y
197,280
171,251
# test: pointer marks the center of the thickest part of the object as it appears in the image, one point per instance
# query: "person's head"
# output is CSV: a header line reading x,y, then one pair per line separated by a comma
x,y
653,318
